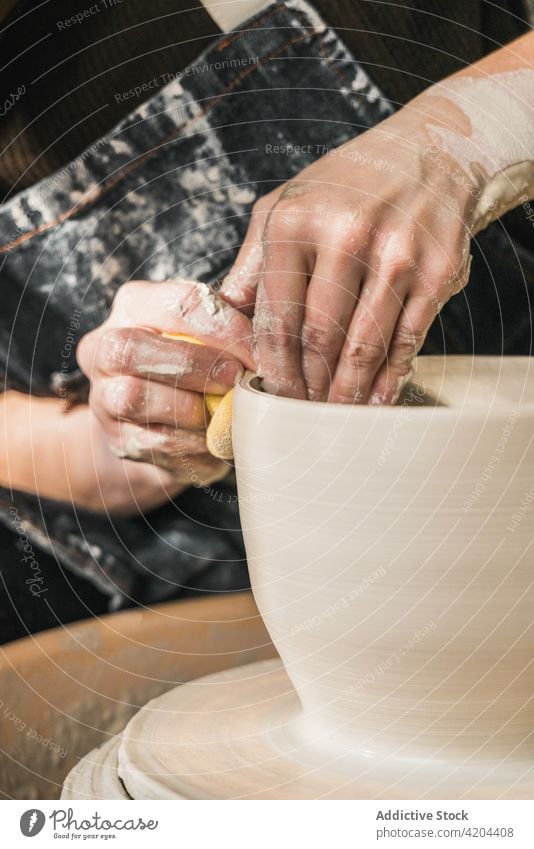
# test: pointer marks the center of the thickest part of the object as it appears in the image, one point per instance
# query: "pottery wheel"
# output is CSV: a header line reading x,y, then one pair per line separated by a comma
x,y
95,776
229,736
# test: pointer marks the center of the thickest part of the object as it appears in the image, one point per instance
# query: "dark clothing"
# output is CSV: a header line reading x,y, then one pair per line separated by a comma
x,y
40,593
168,192
82,70
75,74
407,46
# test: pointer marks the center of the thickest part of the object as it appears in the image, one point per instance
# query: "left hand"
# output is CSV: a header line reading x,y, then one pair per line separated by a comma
x,y
360,252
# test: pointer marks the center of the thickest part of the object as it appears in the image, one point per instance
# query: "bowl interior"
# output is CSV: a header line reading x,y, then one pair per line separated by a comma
x,y
457,382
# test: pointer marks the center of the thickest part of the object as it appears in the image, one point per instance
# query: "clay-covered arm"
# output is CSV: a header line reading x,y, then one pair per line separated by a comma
x,y
347,266
483,119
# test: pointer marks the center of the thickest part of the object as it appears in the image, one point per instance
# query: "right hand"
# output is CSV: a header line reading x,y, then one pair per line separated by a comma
x,y
147,390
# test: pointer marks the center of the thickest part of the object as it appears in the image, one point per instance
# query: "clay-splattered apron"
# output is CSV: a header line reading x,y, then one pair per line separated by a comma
x,y
168,193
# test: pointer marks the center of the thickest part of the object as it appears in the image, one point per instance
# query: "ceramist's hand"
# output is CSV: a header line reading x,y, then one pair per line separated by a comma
x,y
360,252
348,265
147,390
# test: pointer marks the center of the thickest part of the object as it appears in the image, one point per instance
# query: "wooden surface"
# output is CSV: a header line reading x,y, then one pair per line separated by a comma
x,y
74,687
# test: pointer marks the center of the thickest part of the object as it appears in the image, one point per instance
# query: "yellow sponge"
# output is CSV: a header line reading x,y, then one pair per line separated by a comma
x,y
219,433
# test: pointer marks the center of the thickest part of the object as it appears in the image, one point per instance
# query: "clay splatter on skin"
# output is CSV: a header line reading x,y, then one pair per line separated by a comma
x,y
204,310
143,361
294,190
291,309
497,152
390,396
117,393
141,444
280,384
266,321
248,272
137,447
167,369
221,367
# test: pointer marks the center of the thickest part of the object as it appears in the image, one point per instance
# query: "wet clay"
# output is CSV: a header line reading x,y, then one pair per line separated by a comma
x,y
390,557
497,149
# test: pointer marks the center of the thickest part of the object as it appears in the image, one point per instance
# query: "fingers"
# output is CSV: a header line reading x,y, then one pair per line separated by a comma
x,y
131,440
181,452
287,264
147,389
239,287
138,352
437,275
278,320
185,306
330,301
146,402
368,339
410,332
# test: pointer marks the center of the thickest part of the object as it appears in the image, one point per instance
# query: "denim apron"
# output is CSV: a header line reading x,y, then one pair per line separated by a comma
x,y
168,192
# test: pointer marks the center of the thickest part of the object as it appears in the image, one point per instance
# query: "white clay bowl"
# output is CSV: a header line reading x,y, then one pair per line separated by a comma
x,y
391,557
391,553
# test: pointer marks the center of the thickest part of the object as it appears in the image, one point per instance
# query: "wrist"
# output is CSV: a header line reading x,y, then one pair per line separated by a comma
x,y
414,130
486,126
65,457
28,455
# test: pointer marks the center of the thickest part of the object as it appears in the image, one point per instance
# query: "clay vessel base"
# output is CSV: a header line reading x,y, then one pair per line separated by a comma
x,y
95,776
231,735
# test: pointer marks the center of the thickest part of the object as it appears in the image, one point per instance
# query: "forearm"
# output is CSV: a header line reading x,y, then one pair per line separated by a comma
x,y
32,444
63,456
481,120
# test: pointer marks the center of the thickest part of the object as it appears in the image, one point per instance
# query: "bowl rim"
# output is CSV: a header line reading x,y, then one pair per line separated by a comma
x,y
495,413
